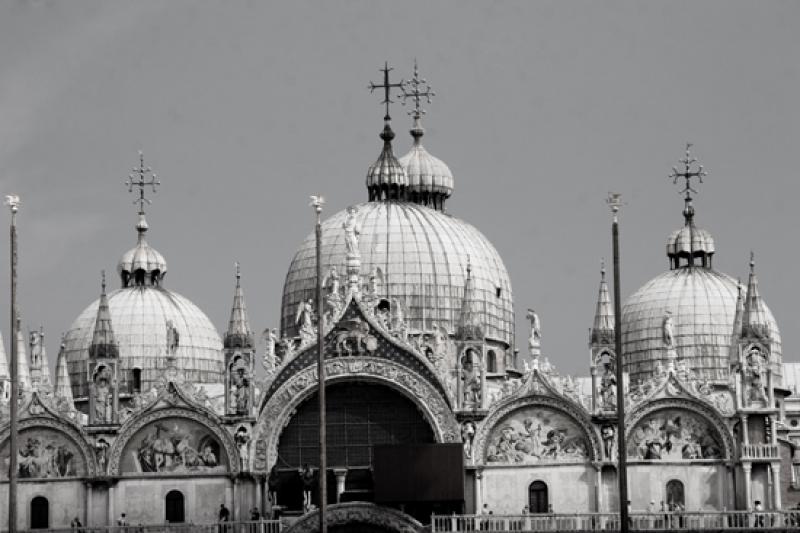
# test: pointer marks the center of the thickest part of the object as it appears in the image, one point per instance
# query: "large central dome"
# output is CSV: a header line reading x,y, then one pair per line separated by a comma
x,y
423,255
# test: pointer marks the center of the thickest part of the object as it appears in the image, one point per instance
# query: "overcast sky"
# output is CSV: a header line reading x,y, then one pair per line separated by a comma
x,y
245,108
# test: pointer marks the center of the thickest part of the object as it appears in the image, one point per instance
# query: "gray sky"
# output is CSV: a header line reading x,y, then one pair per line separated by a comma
x,y
245,108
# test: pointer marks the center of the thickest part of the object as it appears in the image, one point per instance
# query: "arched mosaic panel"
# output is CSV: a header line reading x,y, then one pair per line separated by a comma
x,y
673,434
537,434
44,453
174,445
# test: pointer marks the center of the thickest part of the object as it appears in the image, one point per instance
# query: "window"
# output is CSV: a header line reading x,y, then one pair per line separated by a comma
x,y
537,497
491,361
675,494
137,380
498,291
40,513
174,507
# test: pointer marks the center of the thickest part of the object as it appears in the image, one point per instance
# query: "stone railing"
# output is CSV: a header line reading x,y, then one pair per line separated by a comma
x,y
264,526
609,522
759,451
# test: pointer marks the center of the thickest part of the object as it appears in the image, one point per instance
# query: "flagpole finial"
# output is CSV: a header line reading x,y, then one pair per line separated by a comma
x,y
614,201
13,203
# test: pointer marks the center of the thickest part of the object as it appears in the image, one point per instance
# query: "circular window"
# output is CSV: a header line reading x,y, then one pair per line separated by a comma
x,y
793,422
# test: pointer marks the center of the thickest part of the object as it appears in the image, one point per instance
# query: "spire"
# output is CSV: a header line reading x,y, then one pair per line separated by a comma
x,y
239,334
755,322
103,343
23,370
469,323
738,318
39,366
5,373
63,390
603,326
386,179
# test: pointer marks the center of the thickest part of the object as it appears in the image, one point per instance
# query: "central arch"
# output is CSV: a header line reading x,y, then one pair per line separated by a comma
x,y
359,416
358,517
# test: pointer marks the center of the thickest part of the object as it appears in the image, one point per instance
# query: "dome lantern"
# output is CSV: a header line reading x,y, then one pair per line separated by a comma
x,y
142,265
430,181
690,245
386,179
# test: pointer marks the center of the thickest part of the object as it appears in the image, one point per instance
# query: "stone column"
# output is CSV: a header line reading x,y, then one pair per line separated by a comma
x,y
595,405
235,506
259,495
483,379
748,488
88,503
773,427
341,476
745,432
111,513
478,490
776,485
598,484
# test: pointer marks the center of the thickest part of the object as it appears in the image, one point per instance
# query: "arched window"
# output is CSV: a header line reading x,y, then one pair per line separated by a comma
x,y
40,513
537,497
491,361
675,494
137,380
174,507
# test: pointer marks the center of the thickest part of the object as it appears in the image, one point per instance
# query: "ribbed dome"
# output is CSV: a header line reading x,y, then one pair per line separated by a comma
x,y
690,240
423,255
386,178
426,174
703,304
142,264
139,316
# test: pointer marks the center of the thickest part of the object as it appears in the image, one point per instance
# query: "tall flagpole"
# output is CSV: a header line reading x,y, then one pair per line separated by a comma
x,y
12,201
615,202
317,202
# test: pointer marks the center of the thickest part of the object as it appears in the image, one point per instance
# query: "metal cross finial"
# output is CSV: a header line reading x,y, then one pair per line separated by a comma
x,y
688,173
417,88
139,179
387,88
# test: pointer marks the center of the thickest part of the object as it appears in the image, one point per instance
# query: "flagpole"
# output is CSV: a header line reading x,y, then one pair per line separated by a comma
x,y
614,201
12,202
317,202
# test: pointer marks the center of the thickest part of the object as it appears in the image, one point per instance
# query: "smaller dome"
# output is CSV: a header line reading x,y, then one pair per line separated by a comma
x,y
142,264
689,240
426,173
386,179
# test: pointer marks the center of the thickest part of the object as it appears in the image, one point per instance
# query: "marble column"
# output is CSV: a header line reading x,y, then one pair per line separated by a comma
x,y
745,432
598,487
776,485
748,488
88,503
341,477
595,405
478,490
111,513
259,495
235,506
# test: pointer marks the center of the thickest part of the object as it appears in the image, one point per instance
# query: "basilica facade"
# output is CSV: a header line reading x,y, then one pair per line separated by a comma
x,y
152,413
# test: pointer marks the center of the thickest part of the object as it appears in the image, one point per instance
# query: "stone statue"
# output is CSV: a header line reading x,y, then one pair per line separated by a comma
x,y
270,361
467,437
305,319
756,376
608,389
535,338
173,339
471,381
608,434
102,396
331,281
351,232
242,440
667,329
375,284
307,477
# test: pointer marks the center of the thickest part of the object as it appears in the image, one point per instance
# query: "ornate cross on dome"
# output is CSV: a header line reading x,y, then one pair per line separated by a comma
x,y
139,179
387,88
688,173
417,88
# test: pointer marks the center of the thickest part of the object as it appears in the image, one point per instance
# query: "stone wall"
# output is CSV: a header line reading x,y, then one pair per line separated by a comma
x,y
65,498
571,488
143,500
704,485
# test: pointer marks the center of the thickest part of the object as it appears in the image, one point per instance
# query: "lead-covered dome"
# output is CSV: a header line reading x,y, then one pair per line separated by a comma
x,y
140,312
430,181
423,255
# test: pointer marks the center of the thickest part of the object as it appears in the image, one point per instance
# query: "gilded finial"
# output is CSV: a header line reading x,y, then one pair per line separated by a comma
x,y
417,89
687,173
387,88
141,180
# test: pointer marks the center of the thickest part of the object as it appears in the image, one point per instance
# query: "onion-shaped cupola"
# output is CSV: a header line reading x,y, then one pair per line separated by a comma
x,y
690,245
142,265
430,181
386,179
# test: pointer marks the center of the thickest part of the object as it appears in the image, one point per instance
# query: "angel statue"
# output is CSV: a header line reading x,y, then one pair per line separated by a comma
x,y
535,338
333,300
270,361
331,281
351,232
668,332
305,318
375,282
